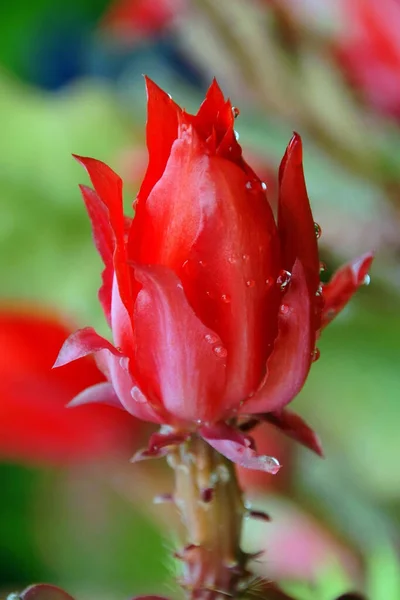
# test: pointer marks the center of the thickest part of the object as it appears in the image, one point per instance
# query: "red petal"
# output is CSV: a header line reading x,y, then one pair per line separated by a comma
x,y
81,343
238,448
295,220
108,186
161,132
101,393
290,361
211,204
159,444
214,114
294,427
103,239
178,359
344,283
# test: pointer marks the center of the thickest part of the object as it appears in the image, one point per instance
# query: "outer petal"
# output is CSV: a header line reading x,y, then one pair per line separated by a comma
x,y
161,131
213,204
295,220
108,186
100,393
104,241
238,448
294,427
42,591
178,359
160,443
81,343
290,361
343,285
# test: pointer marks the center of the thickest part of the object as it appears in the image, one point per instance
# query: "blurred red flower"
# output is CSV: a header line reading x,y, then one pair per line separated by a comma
x,y
35,426
214,307
141,17
369,50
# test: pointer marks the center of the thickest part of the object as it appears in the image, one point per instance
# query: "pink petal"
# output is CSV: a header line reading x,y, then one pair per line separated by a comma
x,y
238,448
104,240
344,283
289,363
100,393
178,359
108,186
295,220
294,426
81,343
161,132
159,444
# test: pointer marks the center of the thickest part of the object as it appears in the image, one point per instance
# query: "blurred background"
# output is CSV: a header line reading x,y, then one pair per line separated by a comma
x,y
73,511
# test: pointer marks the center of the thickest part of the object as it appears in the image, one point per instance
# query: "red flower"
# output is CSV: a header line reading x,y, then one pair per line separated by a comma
x,y
143,17
369,50
214,308
34,424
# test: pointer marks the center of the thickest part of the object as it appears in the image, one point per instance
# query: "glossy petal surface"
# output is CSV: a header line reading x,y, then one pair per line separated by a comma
x,y
290,361
179,360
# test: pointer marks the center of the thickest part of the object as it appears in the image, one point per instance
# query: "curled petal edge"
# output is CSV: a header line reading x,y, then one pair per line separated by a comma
x,y
238,448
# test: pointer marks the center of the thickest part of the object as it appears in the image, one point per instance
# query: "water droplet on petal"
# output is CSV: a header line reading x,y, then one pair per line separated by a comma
x,y
318,230
322,267
263,185
138,395
236,112
250,283
232,260
269,281
119,348
225,298
249,185
220,351
316,353
367,280
124,362
245,257
319,291
283,279
211,338
202,263
237,136
284,309
179,286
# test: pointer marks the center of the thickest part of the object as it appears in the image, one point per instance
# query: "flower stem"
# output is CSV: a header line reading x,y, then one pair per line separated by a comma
x,y
210,503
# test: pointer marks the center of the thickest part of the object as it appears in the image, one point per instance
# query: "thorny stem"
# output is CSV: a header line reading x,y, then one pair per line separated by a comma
x,y
210,503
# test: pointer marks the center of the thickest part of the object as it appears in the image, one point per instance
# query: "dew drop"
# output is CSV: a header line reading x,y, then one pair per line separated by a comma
x,y
211,338
269,281
237,136
316,353
220,351
202,263
284,309
124,362
232,260
249,185
119,348
366,280
179,286
245,257
319,291
236,112
138,395
283,279
225,298
318,230
263,186
250,283
322,267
